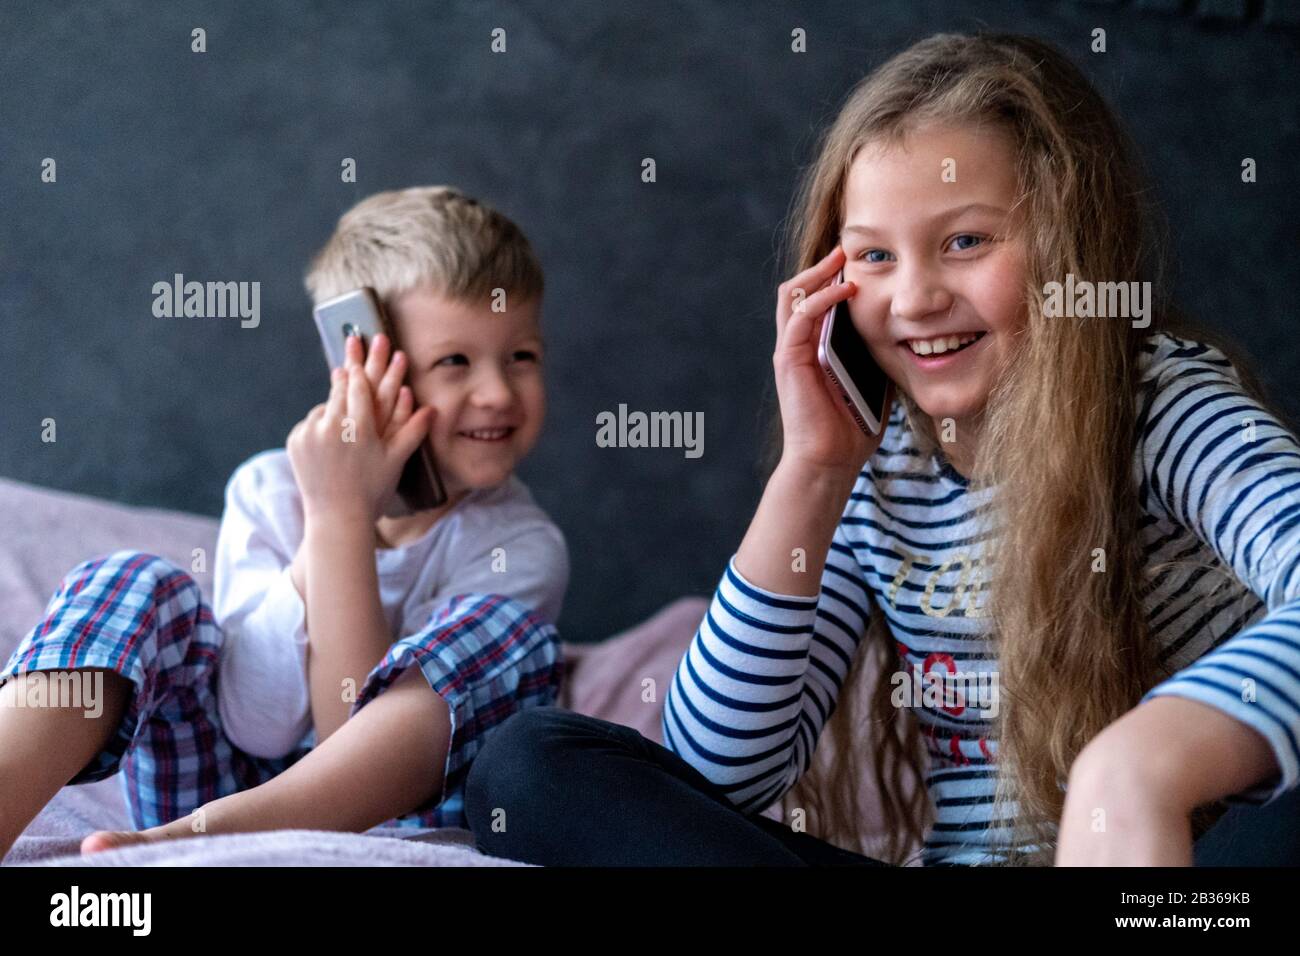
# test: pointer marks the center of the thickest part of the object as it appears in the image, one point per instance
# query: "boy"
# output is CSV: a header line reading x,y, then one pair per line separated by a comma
x,y
345,646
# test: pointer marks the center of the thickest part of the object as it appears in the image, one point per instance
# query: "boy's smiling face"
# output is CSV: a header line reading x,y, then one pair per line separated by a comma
x,y
933,258
481,372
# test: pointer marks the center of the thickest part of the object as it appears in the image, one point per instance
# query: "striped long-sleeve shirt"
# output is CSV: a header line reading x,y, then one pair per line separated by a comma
x,y
1218,478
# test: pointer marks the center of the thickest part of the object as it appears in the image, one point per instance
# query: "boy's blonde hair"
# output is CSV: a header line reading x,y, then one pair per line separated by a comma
x,y
432,237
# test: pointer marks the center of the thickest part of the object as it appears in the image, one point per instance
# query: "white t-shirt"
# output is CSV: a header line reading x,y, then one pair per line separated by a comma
x,y
262,688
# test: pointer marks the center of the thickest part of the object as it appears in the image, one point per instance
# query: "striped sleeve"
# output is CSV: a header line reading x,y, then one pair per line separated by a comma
x,y
760,679
1221,466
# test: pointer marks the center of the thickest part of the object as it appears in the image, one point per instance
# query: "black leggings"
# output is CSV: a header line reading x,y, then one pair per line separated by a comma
x,y
558,788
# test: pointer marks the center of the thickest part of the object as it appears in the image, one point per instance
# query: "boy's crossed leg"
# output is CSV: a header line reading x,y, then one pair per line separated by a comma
x,y
483,657
42,748
383,761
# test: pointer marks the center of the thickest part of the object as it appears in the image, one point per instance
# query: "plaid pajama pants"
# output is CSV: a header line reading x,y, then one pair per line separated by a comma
x,y
143,617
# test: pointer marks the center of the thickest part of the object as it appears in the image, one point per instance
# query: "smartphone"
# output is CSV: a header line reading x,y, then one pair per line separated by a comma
x,y
847,361
360,312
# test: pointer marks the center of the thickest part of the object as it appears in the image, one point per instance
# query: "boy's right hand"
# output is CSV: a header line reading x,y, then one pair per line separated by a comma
x,y
392,403
344,466
385,373
820,432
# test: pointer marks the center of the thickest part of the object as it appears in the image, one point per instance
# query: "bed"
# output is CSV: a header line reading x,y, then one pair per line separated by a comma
x,y
48,532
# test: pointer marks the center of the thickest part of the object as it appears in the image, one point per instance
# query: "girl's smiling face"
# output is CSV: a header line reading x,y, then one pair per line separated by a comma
x,y
935,258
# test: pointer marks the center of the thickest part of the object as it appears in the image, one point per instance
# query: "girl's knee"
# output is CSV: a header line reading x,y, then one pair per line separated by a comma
x,y
521,765
529,741
516,751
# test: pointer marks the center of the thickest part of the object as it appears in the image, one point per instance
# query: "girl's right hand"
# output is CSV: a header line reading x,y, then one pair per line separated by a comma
x,y
820,432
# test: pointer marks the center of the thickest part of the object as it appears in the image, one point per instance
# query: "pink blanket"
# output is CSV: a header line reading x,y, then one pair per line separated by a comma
x,y
49,532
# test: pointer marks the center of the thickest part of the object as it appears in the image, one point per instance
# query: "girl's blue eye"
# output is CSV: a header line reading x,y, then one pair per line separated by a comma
x,y
978,239
866,256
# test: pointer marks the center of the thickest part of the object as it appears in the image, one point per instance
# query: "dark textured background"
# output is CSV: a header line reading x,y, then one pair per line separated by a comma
x,y
225,166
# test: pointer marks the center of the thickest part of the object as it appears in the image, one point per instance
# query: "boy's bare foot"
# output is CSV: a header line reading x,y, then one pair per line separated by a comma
x,y
102,840
195,824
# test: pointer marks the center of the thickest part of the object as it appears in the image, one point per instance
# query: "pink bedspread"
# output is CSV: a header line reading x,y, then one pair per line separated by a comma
x,y
49,532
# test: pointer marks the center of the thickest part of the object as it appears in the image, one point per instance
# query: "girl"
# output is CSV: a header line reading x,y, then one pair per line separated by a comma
x,y
1096,521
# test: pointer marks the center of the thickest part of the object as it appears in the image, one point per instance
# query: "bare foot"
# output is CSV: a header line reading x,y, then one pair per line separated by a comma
x,y
102,840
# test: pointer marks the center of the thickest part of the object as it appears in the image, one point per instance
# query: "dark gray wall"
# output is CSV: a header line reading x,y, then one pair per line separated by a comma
x,y
225,166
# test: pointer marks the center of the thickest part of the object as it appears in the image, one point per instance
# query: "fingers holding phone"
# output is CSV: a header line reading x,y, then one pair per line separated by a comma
x,y
342,464
388,446
385,369
402,410
360,314
819,430
864,388
833,397
798,297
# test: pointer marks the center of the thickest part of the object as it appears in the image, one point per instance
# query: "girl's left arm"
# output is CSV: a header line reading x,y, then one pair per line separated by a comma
x,y
1132,791
1226,727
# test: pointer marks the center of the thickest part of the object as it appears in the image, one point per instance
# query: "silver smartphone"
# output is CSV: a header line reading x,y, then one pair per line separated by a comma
x,y
848,362
361,313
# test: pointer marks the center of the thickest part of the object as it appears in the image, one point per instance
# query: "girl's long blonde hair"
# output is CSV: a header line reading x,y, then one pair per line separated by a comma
x,y
1058,439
